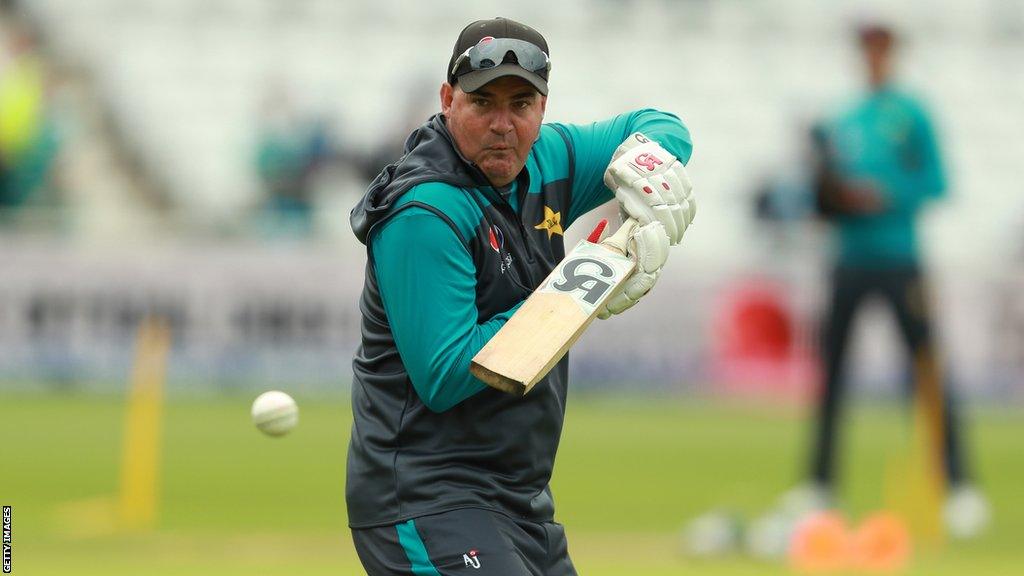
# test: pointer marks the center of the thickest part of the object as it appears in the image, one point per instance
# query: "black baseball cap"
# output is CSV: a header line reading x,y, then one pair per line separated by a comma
x,y
489,49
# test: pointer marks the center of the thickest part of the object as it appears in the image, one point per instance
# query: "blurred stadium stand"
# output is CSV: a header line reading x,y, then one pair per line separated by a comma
x,y
180,83
183,79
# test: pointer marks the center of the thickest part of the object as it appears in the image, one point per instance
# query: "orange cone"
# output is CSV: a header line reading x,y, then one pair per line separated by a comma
x,y
820,543
881,543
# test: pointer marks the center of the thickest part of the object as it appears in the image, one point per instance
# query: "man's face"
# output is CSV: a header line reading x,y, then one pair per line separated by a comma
x,y
496,126
877,51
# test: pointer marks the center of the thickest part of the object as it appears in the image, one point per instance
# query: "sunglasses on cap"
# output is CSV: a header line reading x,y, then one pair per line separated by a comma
x,y
490,52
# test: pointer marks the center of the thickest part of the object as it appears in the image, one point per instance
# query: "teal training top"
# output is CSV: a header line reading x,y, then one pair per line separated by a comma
x,y
450,258
418,259
886,139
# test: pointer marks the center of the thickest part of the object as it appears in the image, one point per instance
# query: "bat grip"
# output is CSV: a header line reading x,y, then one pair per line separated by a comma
x,y
620,240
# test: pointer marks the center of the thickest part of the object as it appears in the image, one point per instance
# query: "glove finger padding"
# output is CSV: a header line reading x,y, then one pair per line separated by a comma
x,y
685,191
676,189
649,247
639,284
670,219
633,206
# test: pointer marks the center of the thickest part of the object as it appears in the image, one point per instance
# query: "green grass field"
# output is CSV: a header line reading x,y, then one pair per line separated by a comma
x,y
629,474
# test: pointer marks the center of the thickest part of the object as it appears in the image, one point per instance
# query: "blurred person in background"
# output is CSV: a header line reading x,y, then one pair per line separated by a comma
x,y
878,167
28,138
444,473
290,150
417,105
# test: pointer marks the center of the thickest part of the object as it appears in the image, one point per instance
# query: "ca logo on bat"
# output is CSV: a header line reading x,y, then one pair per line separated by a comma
x,y
593,287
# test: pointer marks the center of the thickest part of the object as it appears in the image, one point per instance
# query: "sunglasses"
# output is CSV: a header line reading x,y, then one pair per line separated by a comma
x,y
491,52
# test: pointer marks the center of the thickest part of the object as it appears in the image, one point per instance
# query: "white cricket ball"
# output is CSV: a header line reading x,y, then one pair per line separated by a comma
x,y
275,413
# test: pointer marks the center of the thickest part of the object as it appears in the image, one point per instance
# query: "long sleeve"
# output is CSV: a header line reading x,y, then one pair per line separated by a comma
x,y
427,283
594,144
922,176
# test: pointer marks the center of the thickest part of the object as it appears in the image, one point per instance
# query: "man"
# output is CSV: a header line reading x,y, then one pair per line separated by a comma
x,y
879,166
446,475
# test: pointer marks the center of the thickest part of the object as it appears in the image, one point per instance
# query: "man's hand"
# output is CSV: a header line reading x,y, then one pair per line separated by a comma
x,y
648,246
651,185
859,197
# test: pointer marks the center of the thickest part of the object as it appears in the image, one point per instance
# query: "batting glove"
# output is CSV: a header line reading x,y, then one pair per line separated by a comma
x,y
651,185
648,246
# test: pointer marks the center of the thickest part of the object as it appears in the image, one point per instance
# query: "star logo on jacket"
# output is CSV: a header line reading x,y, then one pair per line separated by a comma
x,y
552,222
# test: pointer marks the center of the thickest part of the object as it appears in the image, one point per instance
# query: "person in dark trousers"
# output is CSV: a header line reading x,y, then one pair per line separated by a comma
x,y
878,167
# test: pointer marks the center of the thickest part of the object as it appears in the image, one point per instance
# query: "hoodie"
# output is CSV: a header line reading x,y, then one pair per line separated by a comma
x,y
450,258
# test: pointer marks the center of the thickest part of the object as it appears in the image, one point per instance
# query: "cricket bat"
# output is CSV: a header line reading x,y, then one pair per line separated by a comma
x,y
540,333
915,481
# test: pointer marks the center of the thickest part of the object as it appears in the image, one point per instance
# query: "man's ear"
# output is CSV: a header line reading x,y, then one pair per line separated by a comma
x,y
447,94
543,104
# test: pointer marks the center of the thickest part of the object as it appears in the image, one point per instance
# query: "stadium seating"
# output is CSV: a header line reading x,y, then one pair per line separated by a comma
x,y
187,76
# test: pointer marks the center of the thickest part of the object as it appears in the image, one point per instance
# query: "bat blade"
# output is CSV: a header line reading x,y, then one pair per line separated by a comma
x,y
540,333
915,478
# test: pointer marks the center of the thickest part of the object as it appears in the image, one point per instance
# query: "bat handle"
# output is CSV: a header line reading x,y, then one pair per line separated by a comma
x,y
595,235
620,240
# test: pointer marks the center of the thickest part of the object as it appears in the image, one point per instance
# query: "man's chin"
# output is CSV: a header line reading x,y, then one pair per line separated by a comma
x,y
499,173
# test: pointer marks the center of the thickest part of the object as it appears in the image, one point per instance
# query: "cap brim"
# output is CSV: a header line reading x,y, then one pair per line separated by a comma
x,y
473,81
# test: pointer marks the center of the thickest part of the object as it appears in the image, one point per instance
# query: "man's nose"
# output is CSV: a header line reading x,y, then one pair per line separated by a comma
x,y
501,122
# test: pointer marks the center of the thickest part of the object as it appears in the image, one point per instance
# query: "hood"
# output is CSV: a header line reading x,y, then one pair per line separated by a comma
x,y
430,156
